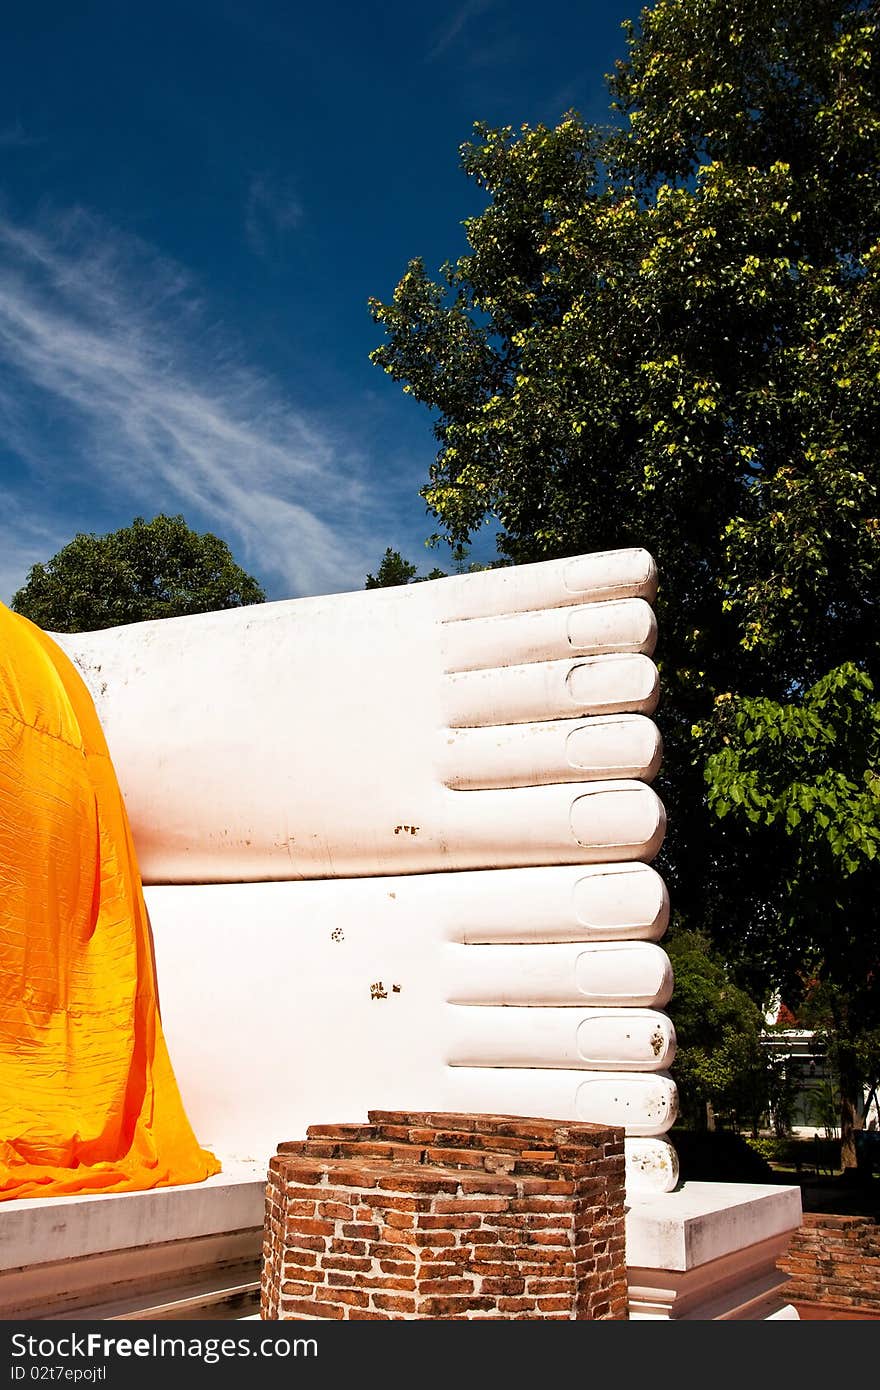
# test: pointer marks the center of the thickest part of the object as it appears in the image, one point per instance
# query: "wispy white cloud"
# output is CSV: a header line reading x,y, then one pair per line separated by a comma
x,y
116,393
272,209
25,540
455,25
14,136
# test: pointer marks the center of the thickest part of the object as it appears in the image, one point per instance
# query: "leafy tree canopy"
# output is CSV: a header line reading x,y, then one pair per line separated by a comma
x,y
665,333
151,569
394,570
720,1060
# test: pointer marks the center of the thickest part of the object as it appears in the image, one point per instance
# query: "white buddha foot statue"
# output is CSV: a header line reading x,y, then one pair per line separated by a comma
x,y
514,991
486,720
497,724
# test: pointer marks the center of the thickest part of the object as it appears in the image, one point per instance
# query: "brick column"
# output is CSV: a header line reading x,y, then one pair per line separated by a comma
x,y
417,1215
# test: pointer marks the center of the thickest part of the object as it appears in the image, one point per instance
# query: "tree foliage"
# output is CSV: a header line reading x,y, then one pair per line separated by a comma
x,y
804,777
666,333
720,1060
151,569
394,569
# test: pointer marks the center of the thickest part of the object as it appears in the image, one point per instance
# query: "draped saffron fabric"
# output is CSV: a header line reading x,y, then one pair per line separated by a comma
x,y
88,1098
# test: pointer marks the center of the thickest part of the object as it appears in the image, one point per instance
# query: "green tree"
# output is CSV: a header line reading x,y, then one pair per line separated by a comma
x,y
394,569
721,1065
151,569
665,333
803,777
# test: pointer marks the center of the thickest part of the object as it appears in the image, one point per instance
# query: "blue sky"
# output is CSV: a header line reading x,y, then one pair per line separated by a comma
x,y
196,201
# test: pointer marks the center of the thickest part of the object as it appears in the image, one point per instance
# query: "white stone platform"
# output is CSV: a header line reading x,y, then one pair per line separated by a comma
x,y
706,1251
189,1252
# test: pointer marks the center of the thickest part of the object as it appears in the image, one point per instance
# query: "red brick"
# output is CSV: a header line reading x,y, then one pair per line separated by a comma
x,y
338,1132
300,1208
416,1182
490,1252
488,1186
296,1290
494,1271
345,1176
338,1211
436,1270
456,1158
432,1238
448,1305
506,1285
346,1262
305,1259
293,1241
394,1303
351,1297
384,1283
360,1230
350,1247
390,1236
310,1308
435,1286
537,1285
448,1222
315,1228
402,1220
486,1207
388,1203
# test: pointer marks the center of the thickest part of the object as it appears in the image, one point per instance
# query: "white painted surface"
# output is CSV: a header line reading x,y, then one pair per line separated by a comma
x,y
595,1039
651,1166
607,973
257,981
522,755
44,1230
311,738
704,1221
595,629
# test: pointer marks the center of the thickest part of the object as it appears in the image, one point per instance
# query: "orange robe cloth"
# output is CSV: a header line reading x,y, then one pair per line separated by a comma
x,y
88,1098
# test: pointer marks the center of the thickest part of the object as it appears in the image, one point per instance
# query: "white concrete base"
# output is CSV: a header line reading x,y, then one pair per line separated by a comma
x,y
175,1252
708,1251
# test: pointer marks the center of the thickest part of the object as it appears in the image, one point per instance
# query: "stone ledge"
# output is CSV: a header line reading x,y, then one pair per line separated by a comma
x,y
744,1285
42,1230
683,1232
703,1221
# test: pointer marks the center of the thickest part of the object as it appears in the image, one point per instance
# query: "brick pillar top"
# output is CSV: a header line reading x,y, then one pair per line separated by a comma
x,y
504,1144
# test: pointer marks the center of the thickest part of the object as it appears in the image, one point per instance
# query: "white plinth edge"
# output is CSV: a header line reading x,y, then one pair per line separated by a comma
x,y
709,1250
705,1251
192,1251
